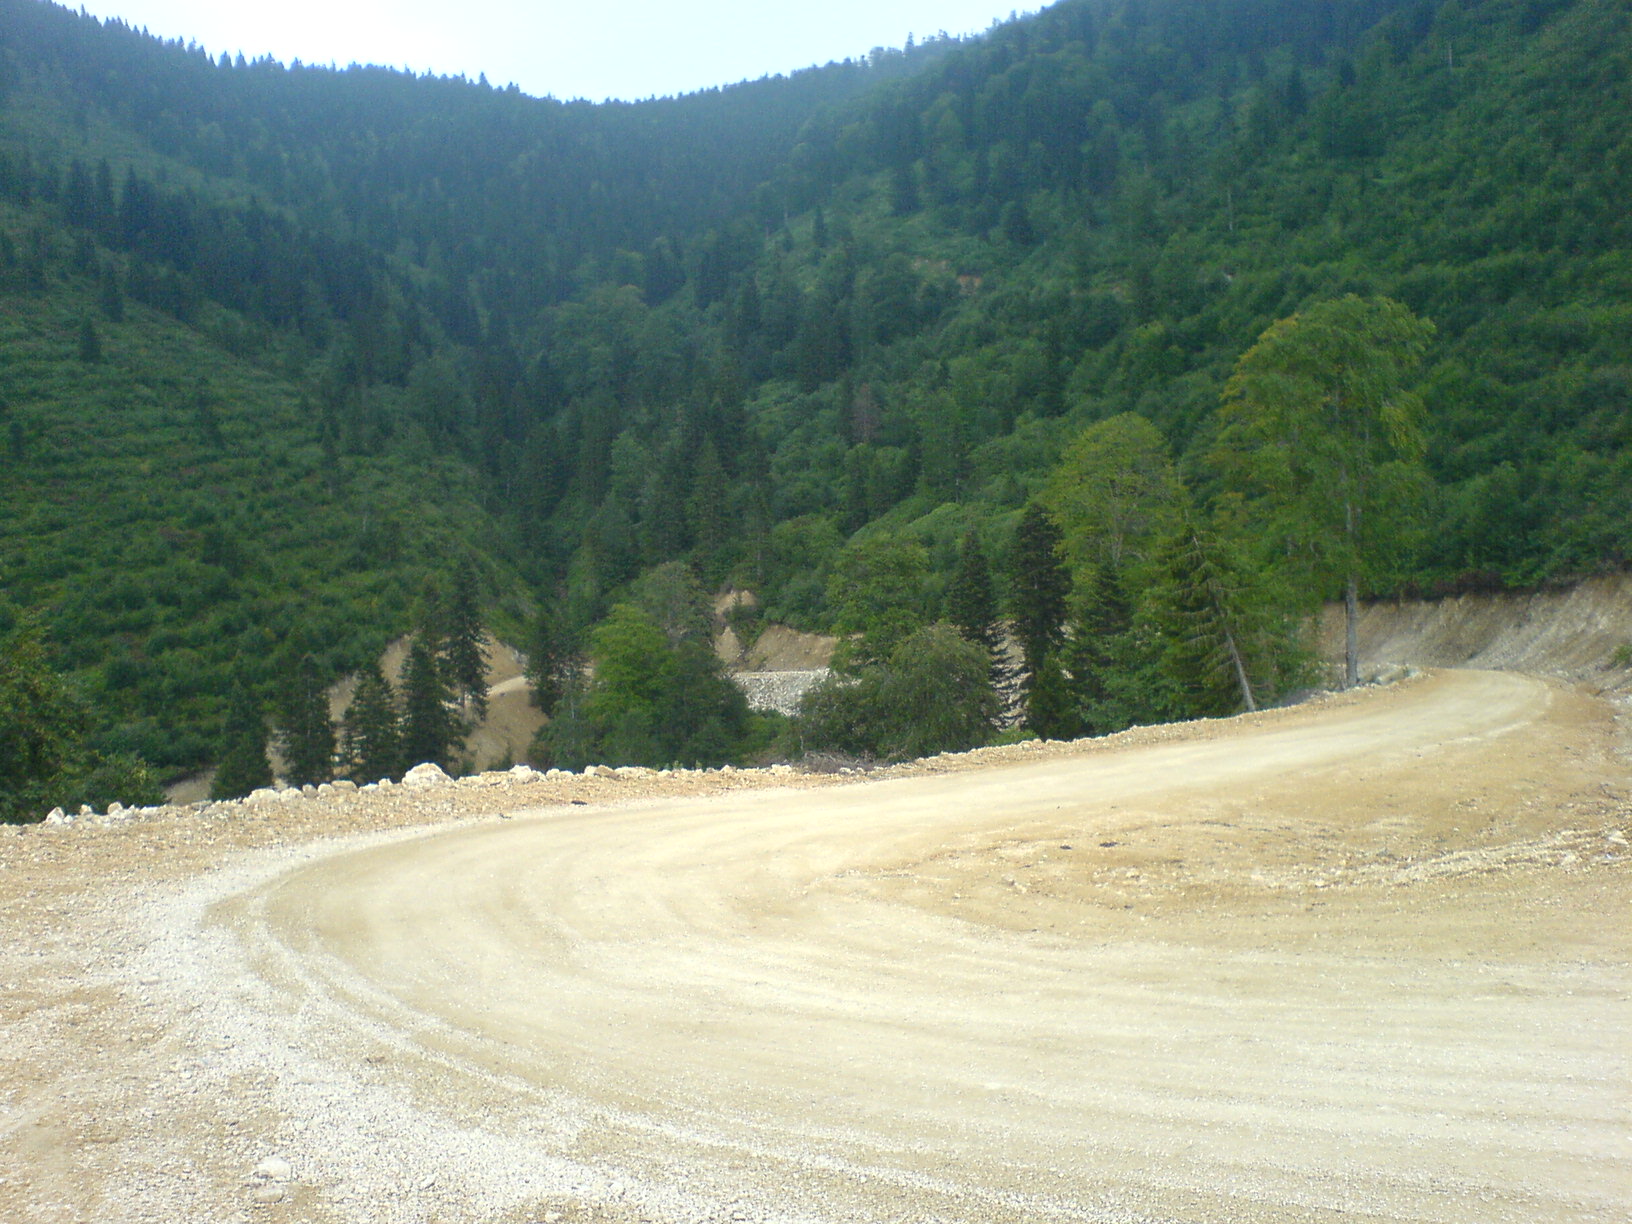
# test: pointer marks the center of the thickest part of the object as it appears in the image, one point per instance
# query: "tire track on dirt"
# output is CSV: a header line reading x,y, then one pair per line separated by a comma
x,y
711,1009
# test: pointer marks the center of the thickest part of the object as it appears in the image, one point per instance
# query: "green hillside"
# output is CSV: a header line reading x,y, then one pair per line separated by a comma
x,y
280,345
176,514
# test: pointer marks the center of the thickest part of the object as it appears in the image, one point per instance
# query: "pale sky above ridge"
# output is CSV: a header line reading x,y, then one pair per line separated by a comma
x,y
627,49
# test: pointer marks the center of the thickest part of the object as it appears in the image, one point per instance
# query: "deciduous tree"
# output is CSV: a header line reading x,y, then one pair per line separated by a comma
x,y
650,702
40,722
674,600
877,596
1113,493
933,694
1322,433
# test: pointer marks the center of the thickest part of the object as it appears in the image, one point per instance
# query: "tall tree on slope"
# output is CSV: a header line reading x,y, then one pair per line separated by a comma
x,y
463,657
305,730
429,730
243,766
1038,588
971,608
373,729
1322,435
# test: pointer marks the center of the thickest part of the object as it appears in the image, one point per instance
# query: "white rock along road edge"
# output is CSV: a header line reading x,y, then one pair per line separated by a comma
x,y
720,1008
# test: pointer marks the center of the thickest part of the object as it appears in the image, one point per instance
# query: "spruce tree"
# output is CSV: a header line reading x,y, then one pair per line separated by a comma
x,y
971,607
1039,585
373,729
244,766
553,659
568,740
306,732
1101,654
463,658
429,730
1050,709
90,343
1017,227
708,514
109,297
1221,636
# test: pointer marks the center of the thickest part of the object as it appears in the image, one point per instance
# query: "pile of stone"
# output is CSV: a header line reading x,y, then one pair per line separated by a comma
x,y
780,691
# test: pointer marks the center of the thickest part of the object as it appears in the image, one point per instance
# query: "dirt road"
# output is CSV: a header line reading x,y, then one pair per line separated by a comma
x,y
1365,959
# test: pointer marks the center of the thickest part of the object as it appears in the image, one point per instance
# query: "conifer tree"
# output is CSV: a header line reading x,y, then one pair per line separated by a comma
x,y
373,729
1039,585
463,659
109,297
206,420
244,766
1017,227
1102,656
1050,709
306,732
1223,636
553,659
707,513
971,607
90,343
904,199
429,730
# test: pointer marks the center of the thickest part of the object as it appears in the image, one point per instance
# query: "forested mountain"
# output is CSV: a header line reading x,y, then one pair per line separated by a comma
x,y
281,343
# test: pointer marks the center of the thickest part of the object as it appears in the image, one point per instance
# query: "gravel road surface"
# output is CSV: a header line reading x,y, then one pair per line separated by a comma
x,y
1365,959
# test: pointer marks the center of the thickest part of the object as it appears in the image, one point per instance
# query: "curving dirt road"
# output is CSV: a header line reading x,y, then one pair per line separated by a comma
x,y
1362,960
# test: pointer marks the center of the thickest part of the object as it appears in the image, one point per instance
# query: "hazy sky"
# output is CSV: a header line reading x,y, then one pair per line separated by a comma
x,y
613,48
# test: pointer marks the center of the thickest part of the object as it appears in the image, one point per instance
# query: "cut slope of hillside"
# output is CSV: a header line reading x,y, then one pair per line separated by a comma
x,y
1583,632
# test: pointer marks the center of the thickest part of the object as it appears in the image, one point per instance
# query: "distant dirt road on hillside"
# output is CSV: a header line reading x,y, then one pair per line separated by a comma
x,y
1361,960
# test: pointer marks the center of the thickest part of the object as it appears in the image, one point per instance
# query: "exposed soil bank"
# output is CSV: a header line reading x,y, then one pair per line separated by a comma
x,y
1584,633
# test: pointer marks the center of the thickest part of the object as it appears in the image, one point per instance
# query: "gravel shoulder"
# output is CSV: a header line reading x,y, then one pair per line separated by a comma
x,y
1365,958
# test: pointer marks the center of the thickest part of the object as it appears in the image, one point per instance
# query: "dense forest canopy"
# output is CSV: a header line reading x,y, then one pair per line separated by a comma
x,y
282,344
